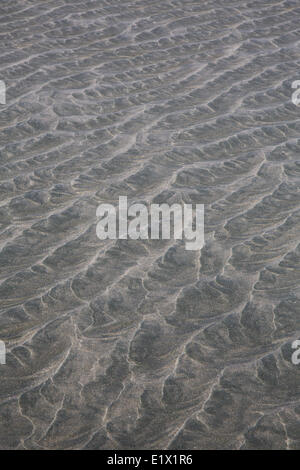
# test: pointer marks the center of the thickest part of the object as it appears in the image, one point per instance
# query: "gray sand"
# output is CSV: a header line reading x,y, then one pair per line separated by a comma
x,y
142,344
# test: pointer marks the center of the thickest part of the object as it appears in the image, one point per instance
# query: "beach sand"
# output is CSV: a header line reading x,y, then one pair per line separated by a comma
x,y
142,344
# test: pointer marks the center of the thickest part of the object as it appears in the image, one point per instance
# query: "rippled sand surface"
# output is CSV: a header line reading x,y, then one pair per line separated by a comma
x,y
142,344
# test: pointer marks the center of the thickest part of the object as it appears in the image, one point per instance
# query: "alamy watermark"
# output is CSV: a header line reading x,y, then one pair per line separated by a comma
x,y
296,94
2,92
2,353
133,222
296,354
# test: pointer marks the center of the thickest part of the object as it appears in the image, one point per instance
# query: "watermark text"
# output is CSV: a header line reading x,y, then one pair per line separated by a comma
x,y
187,221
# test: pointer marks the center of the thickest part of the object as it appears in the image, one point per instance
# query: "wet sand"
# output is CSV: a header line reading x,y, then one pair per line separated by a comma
x,y
142,344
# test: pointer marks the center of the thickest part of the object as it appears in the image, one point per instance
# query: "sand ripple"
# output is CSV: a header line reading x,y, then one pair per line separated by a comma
x,y
141,344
